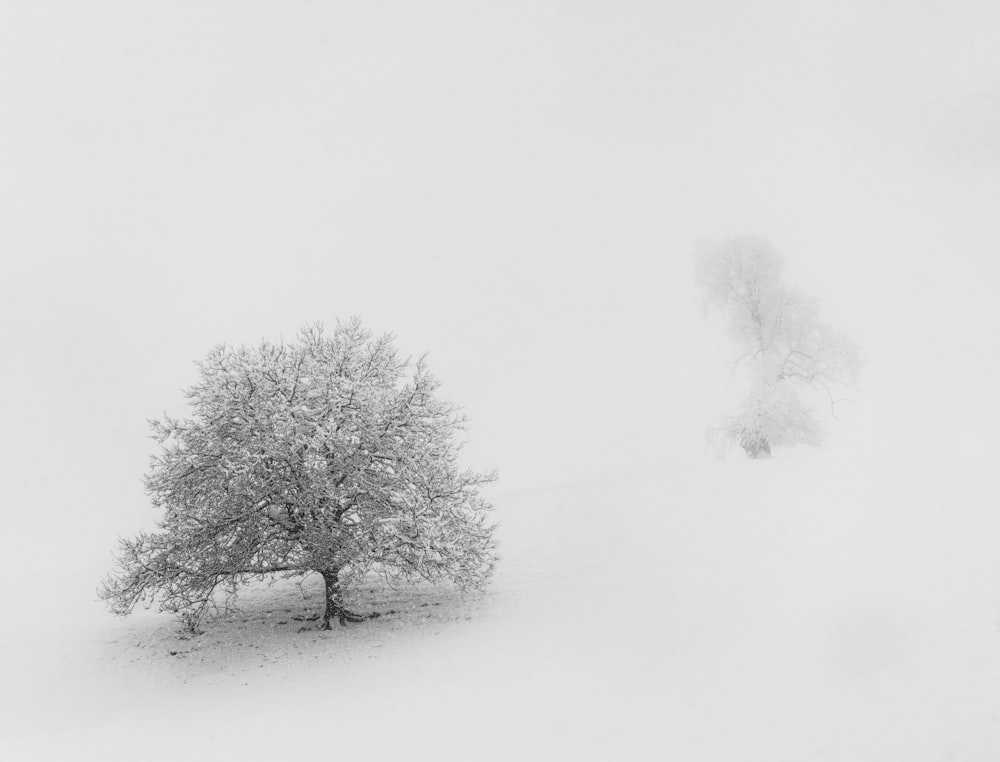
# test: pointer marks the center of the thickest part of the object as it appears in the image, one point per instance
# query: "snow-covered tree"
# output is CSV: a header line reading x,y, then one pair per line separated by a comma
x,y
782,341
328,455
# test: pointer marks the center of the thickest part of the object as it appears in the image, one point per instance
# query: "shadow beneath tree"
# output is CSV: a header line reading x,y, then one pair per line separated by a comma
x,y
272,623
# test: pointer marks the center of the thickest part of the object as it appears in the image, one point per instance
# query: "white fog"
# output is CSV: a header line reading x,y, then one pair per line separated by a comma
x,y
518,189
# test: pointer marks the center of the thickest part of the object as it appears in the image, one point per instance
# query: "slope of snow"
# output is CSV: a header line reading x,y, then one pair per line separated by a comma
x,y
810,607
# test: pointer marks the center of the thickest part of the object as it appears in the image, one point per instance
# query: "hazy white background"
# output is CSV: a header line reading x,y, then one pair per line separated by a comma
x,y
518,188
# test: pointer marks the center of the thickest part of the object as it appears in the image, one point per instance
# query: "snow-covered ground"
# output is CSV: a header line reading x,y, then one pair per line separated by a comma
x,y
822,606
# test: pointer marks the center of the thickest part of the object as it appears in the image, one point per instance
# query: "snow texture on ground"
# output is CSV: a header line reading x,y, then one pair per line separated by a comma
x,y
810,607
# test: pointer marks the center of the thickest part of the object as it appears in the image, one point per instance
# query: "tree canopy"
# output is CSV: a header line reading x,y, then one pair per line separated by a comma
x,y
782,340
328,455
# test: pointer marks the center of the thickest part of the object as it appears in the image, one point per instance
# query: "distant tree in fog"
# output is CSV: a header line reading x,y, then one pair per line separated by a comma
x,y
782,340
329,455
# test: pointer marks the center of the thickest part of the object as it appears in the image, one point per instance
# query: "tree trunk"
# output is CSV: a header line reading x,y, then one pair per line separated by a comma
x,y
757,448
334,607
331,585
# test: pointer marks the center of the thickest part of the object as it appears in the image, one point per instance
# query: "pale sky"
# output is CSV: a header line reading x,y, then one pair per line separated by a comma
x,y
518,188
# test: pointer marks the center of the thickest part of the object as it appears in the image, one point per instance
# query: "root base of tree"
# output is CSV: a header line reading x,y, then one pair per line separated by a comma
x,y
350,616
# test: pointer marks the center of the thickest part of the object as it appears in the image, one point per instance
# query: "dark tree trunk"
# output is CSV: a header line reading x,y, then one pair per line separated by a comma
x,y
331,595
334,608
757,448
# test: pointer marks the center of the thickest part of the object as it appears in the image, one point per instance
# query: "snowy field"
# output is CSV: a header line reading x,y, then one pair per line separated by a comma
x,y
819,606
518,189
